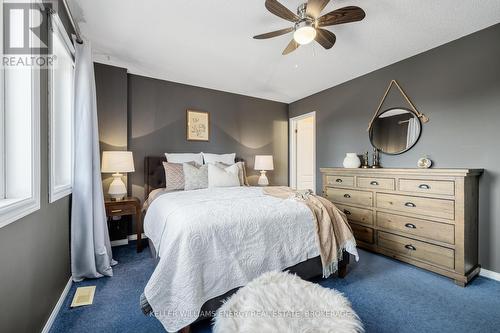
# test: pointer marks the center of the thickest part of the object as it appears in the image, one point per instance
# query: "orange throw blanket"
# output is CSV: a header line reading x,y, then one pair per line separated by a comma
x,y
333,232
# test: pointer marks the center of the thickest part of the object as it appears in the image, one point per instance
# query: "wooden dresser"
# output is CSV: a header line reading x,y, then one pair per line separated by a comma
x,y
425,217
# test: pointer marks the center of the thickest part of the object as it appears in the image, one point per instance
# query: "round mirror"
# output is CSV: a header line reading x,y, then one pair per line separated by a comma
x,y
395,131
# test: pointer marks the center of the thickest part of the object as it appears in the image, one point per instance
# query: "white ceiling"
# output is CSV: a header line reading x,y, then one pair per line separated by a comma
x,y
209,43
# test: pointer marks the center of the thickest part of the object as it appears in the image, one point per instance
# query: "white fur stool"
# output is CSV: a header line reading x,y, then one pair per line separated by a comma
x,y
281,302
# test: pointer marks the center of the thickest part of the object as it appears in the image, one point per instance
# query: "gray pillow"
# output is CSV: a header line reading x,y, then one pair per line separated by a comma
x,y
174,176
195,176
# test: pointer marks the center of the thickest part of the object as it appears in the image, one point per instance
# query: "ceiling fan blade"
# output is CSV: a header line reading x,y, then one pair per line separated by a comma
x,y
292,46
281,11
342,15
325,38
274,33
314,7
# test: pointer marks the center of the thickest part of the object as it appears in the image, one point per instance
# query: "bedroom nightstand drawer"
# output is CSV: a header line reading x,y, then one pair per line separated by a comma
x,y
412,248
377,183
355,214
363,234
436,231
444,187
120,210
417,205
350,196
334,180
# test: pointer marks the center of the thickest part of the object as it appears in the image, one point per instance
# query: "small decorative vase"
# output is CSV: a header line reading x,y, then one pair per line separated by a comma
x,y
351,161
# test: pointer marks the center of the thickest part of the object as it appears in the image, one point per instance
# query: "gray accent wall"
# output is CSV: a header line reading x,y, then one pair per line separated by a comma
x,y
111,91
244,125
34,251
457,86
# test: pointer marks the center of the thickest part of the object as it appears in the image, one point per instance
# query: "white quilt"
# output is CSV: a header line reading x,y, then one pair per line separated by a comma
x,y
213,240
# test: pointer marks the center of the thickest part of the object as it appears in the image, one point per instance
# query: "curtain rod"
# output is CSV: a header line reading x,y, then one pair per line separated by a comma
x,y
79,39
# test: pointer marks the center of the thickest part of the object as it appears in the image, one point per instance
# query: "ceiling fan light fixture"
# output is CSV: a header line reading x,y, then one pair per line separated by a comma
x,y
304,34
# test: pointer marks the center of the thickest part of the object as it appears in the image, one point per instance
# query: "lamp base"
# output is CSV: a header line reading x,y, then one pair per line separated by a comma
x,y
117,190
263,181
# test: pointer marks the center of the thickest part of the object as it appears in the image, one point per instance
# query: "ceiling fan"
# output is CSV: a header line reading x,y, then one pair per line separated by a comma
x,y
308,23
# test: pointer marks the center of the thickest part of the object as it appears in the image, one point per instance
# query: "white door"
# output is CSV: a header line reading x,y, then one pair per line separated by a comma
x,y
303,152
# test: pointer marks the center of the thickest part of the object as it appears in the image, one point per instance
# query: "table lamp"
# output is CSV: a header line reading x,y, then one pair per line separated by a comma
x,y
116,162
262,164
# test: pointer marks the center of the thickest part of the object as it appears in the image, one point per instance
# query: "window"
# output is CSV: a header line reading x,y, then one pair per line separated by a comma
x,y
19,128
61,79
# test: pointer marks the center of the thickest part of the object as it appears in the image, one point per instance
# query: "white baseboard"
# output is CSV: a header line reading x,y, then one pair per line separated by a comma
x,y
125,241
134,236
57,307
119,242
490,274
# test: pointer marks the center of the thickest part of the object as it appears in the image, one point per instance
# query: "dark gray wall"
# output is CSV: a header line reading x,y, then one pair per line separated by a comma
x,y
111,91
240,124
458,86
111,88
34,251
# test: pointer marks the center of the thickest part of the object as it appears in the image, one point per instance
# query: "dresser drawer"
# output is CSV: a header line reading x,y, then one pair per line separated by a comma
x,y
417,205
340,180
412,248
444,187
350,196
377,183
440,232
362,233
355,214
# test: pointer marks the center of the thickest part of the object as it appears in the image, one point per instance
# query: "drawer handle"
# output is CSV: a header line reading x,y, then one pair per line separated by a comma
x,y
116,211
338,180
410,204
410,247
346,212
347,195
410,225
374,183
424,187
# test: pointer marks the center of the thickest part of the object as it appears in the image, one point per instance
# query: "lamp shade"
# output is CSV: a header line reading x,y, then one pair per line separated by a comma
x,y
117,161
263,162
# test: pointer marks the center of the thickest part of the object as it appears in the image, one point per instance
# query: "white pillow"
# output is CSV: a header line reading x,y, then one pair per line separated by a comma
x,y
219,177
184,158
242,174
223,158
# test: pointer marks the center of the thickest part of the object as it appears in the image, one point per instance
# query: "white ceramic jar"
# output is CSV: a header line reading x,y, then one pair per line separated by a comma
x,y
352,161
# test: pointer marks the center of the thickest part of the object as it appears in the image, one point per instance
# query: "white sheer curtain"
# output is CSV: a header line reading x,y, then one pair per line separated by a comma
x,y
412,133
91,255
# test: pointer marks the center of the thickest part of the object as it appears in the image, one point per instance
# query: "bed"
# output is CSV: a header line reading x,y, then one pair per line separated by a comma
x,y
210,242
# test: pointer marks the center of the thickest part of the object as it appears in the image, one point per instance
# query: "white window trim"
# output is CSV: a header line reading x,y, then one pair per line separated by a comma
x,y
13,209
2,116
57,192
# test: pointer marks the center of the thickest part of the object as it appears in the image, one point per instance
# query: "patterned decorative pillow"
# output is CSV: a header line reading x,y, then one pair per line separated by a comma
x,y
195,176
242,175
174,176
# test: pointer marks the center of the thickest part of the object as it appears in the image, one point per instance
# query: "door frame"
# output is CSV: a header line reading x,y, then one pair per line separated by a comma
x,y
293,148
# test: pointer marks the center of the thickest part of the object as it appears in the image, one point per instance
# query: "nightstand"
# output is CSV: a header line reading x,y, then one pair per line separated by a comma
x,y
127,206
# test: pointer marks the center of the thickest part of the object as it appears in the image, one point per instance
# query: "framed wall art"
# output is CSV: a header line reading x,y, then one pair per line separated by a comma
x,y
197,125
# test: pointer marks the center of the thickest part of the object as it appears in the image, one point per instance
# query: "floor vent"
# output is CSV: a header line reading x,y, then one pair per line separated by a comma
x,y
83,296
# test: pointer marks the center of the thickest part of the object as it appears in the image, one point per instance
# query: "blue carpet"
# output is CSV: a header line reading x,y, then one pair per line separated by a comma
x,y
388,295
